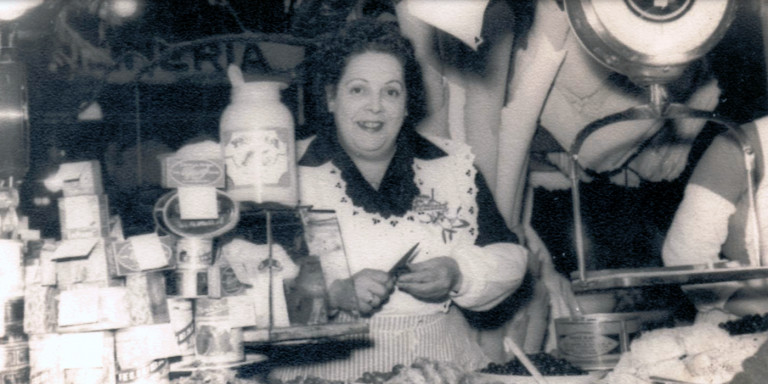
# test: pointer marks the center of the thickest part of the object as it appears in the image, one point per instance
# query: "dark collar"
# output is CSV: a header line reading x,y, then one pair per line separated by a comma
x,y
325,146
397,190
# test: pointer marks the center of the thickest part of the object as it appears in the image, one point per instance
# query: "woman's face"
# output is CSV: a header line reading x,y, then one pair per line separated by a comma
x,y
369,105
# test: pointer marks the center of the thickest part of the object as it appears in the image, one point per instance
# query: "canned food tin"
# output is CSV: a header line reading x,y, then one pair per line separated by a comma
x,y
155,372
194,253
188,283
596,341
183,322
216,342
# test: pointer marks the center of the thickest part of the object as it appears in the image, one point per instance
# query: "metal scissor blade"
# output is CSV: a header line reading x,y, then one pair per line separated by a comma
x,y
403,262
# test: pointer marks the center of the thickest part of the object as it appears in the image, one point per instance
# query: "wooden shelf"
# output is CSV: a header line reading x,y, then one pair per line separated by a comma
x,y
303,334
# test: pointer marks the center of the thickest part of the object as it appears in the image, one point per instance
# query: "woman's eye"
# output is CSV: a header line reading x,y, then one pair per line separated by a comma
x,y
393,92
356,90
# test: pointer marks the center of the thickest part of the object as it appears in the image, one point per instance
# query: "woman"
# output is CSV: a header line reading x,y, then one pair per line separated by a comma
x,y
392,188
717,219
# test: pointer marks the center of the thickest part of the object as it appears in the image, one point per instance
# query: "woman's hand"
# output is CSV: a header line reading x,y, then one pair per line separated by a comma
x,y
365,291
431,280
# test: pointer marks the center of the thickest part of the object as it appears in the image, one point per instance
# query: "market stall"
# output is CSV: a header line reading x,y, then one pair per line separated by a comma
x,y
151,227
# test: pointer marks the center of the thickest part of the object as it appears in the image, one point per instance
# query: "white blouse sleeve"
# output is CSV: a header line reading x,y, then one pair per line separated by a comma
x,y
699,229
490,273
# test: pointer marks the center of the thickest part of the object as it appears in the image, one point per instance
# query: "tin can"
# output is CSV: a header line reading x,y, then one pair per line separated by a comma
x,y
154,372
183,322
596,341
188,283
14,359
194,253
216,342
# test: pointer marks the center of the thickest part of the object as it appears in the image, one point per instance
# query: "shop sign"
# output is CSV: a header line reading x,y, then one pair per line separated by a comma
x,y
204,60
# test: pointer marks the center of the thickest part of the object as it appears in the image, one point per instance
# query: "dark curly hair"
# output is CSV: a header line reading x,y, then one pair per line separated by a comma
x,y
325,66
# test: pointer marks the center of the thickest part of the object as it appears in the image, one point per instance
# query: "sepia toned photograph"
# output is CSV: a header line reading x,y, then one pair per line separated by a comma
x,y
383,191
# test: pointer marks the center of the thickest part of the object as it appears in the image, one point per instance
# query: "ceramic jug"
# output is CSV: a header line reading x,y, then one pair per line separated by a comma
x,y
258,142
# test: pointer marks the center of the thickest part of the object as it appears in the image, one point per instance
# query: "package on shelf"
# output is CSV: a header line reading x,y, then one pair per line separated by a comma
x,y
216,340
136,347
87,358
85,261
11,317
41,309
14,359
87,309
156,371
84,216
147,301
39,267
186,171
140,253
44,359
116,228
249,269
76,358
80,178
12,271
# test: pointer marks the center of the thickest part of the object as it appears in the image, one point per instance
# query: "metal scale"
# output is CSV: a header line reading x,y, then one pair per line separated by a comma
x,y
651,42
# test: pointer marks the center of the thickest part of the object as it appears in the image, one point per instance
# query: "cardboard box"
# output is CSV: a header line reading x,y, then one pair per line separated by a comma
x,y
81,178
89,309
178,171
96,269
128,262
85,216
146,298
41,309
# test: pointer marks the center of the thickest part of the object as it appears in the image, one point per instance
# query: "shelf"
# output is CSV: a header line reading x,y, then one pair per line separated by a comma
x,y
303,334
644,277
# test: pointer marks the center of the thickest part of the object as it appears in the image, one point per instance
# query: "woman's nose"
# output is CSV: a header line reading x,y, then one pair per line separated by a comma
x,y
374,103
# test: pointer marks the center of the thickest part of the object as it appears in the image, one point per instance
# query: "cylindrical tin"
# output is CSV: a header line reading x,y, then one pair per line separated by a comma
x,y
183,322
14,359
194,253
595,341
216,342
188,283
154,372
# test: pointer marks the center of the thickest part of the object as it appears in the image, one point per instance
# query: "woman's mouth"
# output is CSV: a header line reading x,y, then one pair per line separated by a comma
x,y
371,126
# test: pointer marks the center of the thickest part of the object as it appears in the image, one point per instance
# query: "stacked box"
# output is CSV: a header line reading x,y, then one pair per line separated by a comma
x,y
97,268
81,178
84,216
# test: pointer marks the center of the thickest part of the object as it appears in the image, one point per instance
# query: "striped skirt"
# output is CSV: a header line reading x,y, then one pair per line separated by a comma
x,y
392,340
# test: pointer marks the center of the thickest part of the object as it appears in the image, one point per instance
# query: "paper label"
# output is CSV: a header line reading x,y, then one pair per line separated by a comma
x,y
198,203
148,251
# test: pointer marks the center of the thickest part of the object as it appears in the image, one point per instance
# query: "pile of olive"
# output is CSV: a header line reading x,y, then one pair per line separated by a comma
x,y
547,364
308,380
747,324
379,377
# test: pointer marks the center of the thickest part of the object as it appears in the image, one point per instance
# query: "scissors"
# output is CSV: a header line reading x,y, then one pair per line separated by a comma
x,y
402,265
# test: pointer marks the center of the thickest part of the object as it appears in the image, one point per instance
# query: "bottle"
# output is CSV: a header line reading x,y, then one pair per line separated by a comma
x,y
258,143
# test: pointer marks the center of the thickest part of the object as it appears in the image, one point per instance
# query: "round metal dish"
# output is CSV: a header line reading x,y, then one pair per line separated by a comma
x,y
649,41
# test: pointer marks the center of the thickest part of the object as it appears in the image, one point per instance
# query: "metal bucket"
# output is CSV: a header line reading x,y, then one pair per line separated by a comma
x,y
596,341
